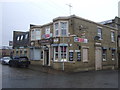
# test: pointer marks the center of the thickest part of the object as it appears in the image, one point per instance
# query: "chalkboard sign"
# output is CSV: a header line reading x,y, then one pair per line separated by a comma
x,y
78,56
70,56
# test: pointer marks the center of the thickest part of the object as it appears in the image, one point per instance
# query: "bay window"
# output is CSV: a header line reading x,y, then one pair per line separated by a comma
x,y
60,53
63,53
56,29
55,53
61,28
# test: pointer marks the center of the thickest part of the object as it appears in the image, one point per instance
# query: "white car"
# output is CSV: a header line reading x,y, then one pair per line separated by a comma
x,y
5,60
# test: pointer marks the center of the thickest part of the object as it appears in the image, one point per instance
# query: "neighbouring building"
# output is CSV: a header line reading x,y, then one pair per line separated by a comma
x,y
116,24
20,43
35,48
6,51
74,44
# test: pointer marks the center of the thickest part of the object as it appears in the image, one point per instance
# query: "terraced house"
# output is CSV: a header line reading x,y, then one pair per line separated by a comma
x,y
116,24
20,43
74,44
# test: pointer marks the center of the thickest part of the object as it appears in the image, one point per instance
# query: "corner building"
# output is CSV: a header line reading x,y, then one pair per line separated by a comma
x,y
74,44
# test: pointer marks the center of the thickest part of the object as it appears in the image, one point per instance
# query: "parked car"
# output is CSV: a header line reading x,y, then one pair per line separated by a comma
x,y
5,60
21,61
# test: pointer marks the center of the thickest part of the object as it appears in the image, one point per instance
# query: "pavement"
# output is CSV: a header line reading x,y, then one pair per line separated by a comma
x,y
46,77
45,69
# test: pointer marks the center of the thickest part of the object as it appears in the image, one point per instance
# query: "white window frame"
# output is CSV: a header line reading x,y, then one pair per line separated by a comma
x,y
99,33
36,34
65,59
64,28
112,36
47,30
60,59
56,60
56,29
59,29
113,57
105,55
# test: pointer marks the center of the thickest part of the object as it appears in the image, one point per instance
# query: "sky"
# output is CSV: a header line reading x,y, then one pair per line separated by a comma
x,y
17,15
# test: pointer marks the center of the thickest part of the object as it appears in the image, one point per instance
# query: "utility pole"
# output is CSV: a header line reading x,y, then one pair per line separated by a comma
x,y
70,6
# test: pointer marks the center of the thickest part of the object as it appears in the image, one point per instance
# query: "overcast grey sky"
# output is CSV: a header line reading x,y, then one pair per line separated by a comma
x,y
17,15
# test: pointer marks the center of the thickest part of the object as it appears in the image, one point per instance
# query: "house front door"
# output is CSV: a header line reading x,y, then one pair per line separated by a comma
x,y
46,57
98,58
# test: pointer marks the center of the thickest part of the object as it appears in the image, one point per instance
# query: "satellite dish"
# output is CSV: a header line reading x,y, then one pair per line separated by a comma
x,y
96,38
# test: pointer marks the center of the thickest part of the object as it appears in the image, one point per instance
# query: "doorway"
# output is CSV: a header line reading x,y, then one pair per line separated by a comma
x,y
98,58
46,57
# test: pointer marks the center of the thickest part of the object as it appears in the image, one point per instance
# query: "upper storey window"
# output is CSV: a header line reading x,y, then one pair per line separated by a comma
x,y
35,34
61,28
99,33
113,36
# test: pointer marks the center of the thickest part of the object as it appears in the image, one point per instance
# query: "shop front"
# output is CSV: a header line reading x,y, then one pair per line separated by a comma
x,y
46,51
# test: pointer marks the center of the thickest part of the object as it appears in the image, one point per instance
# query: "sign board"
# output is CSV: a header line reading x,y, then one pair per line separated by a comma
x,y
45,41
82,40
46,36
70,50
77,50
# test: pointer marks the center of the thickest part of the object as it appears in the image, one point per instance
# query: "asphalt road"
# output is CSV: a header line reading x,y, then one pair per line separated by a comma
x,y
26,78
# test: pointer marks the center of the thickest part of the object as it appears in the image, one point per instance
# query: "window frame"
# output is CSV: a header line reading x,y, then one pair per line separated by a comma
x,y
63,29
47,30
59,30
99,33
35,35
112,36
105,54
113,55
58,52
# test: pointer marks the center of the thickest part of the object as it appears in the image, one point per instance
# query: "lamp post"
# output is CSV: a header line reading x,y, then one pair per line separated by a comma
x,y
63,55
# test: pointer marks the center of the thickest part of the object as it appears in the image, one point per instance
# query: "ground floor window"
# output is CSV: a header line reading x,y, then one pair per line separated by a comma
x,y
71,56
104,55
55,53
113,54
78,56
60,53
63,53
